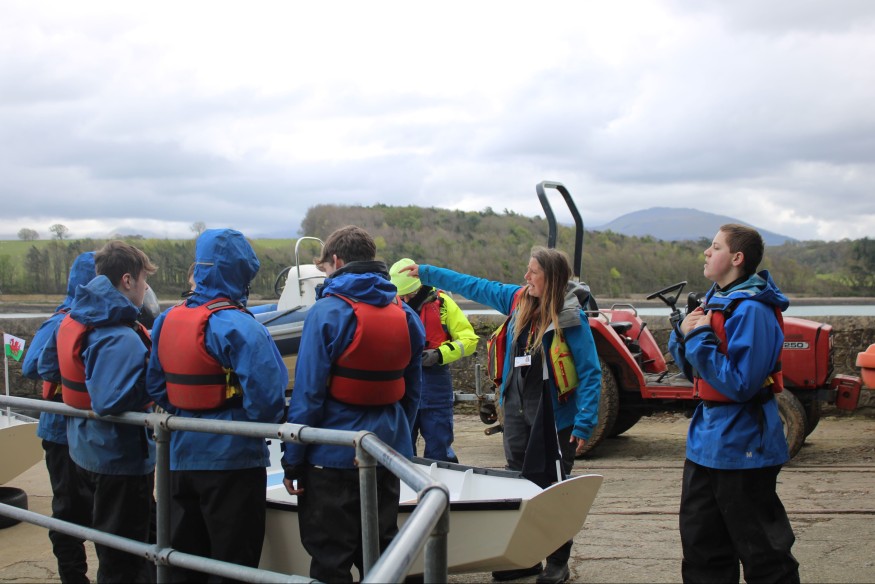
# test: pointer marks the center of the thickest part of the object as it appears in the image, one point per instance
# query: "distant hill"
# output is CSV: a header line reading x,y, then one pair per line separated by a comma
x,y
678,224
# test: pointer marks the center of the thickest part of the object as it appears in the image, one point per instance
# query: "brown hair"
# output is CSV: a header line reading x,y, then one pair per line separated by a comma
x,y
748,241
350,243
541,312
117,258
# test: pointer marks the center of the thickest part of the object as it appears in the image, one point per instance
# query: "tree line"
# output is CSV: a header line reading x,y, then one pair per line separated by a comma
x,y
483,243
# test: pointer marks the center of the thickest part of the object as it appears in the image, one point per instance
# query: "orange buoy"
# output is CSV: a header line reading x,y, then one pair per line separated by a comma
x,y
866,363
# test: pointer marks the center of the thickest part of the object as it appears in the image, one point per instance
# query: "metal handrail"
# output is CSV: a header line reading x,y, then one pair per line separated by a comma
x,y
426,528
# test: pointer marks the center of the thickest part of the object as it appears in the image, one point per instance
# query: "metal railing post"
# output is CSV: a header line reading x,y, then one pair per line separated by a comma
x,y
369,507
435,558
162,498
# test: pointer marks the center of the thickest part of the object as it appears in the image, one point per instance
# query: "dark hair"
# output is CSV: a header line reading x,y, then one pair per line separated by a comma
x,y
748,241
541,312
117,258
350,243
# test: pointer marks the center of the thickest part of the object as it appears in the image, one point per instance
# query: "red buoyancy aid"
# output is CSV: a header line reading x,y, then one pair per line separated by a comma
x,y
370,371
704,390
51,389
496,344
71,343
435,332
195,379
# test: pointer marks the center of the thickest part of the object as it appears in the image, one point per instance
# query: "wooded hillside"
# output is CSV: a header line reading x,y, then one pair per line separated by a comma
x,y
483,243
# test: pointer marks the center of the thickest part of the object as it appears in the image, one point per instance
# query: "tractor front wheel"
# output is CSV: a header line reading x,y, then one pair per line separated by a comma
x,y
609,408
793,416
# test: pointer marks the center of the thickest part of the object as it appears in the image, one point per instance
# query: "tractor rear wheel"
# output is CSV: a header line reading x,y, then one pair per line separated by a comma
x,y
812,416
625,420
609,408
793,416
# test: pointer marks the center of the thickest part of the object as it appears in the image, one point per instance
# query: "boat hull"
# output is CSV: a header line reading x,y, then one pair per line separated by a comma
x,y
498,521
20,445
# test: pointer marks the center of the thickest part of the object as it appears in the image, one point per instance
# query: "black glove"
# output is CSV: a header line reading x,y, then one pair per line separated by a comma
x,y
431,357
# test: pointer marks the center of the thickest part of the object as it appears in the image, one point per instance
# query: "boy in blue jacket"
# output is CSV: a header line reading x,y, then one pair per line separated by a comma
x,y
71,500
102,353
730,348
359,368
217,481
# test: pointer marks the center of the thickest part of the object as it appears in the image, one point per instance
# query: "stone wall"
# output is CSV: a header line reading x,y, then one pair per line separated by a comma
x,y
851,335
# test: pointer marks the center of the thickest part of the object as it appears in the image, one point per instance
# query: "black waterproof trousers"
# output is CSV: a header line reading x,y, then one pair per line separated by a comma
x,y
520,408
217,514
329,517
727,516
123,505
71,501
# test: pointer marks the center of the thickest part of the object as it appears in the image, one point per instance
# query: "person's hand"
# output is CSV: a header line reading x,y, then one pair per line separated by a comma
x,y
412,268
290,487
431,357
581,444
292,473
694,320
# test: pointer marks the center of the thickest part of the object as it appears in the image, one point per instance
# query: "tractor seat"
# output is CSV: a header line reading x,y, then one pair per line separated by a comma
x,y
621,327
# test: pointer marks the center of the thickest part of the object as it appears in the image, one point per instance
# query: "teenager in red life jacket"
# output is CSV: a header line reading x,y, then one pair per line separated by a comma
x,y
71,501
358,369
212,360
730,510
547,364
102,352
448,337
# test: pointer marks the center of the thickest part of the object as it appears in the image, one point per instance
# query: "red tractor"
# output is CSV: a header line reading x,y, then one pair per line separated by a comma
x,y
637,381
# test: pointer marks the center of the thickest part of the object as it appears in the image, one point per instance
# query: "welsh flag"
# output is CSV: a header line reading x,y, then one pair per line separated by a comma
x,y
14,346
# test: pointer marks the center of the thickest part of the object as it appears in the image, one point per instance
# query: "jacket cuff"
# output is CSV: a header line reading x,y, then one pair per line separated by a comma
x,y
702,330
292,472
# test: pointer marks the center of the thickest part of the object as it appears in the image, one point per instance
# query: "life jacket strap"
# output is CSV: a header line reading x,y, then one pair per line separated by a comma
x,y
366,375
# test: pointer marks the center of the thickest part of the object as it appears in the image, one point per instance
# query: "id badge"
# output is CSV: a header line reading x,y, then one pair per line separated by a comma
x,y
523,361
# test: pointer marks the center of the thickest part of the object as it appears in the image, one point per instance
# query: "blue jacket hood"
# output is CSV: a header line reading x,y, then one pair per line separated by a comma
x,y
365,281
81,272
99,303
758,287
225,264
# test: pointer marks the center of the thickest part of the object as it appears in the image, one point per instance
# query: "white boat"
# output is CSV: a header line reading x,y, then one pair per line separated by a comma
x,y
296,286
498,520
20,445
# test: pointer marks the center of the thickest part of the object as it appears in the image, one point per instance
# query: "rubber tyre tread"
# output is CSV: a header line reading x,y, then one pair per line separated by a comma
x,y
14,497
793,417
812,415
609,408
625,420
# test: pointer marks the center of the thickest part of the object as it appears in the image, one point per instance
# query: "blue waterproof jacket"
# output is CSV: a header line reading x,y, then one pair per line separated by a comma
x,y
53,427
581,409
115,372
748,434
328,330
225,264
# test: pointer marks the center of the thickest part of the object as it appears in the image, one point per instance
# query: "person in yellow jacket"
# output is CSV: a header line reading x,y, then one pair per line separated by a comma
x,y
449,337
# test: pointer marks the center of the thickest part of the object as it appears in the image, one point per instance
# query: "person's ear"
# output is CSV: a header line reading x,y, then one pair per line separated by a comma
x,y
738,259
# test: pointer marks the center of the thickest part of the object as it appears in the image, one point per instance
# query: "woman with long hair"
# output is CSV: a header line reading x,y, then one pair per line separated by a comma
x,y
547,350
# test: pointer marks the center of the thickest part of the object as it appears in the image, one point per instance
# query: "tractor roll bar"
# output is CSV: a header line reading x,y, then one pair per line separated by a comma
x,y
551,221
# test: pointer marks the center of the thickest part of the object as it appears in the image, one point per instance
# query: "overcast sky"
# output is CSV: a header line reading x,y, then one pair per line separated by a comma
x,y
146,117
